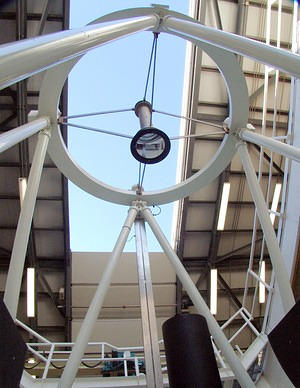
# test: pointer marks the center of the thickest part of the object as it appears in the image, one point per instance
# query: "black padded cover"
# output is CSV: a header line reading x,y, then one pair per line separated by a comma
x,y
285,342
13,350
190,358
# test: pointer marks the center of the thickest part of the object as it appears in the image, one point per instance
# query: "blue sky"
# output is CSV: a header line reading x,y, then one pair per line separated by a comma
x,y
113,77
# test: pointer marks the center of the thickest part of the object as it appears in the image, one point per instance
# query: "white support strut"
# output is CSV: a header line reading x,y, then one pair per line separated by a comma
x,y
14,136
94,309
149,327
275,57
277,260
30,56
199,303
274,145
15,272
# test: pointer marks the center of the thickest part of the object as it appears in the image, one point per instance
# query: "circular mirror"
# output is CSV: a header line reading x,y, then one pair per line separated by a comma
x,y
150,145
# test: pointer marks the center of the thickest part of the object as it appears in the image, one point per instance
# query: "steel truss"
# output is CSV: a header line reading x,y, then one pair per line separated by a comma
x,y
59,52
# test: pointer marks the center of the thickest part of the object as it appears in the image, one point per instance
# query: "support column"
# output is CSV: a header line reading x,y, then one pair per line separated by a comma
x,y
14,136
15,272
279,268
284,149
199,303
151,348
261,52
94,309
31,56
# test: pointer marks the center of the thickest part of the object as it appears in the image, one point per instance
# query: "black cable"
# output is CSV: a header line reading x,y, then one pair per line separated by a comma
x,y
143,175
57,367
32,367
152,60
130,238
139,180
153,76
91,366
159,210
149,67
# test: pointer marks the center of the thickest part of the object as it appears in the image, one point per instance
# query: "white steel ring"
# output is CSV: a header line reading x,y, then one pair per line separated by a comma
x,y
238,97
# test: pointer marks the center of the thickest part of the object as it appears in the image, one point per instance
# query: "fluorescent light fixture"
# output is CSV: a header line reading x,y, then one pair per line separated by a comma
x,y
223,207
22,189
275,201
30,292
262,288
213,290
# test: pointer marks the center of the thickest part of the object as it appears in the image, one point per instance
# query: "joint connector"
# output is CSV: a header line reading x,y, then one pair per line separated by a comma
x,y
139,205
46,131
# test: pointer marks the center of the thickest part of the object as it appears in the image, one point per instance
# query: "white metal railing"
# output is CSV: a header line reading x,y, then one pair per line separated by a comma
x,y
52,352
51,355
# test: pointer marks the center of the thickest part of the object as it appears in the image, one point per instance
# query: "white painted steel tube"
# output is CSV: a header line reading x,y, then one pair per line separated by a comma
x,y
15,272
275,57
16,135
199,303
273,145
92,314
30,56
279,268
143,112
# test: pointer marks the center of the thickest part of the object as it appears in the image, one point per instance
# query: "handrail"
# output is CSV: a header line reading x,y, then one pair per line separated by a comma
x,y
53,354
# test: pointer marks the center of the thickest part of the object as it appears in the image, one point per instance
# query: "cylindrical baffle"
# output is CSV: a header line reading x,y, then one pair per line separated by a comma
x,y
190,357
143,111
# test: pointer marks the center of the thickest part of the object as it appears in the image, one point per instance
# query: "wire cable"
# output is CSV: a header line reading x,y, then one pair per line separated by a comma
x,y
159,211
189,119
130,239
196,135
56,366
98,130
149,67
140,168
62,118
32,367
91,366
143,174
153,76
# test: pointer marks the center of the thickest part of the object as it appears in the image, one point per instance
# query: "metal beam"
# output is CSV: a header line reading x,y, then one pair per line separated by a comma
x,y
40,229
202,277
44,283
51,49
14,277
6,121
44,16
242,173
261,52
196,264
32,16
232,296
63,106
219,119
229,254
199,13
260,90
195,232
53,198
51,263
150,337
267,157
229,292
217,12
